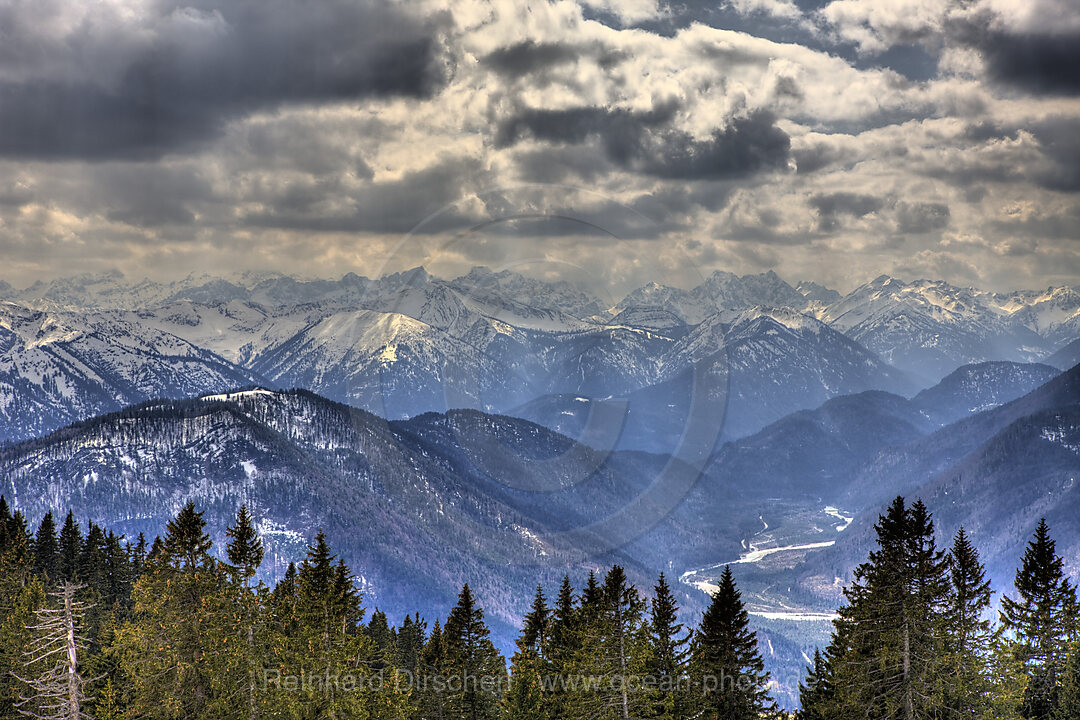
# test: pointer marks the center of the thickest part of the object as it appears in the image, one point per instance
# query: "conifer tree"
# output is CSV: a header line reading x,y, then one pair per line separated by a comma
x,y
409,643
5,519
322,639
1041,621
47,549
70,546
431,688
967,632
537,621
175,643
627,643
244,548
668,651
471,664
815,691
1069,696
527,697
19,603
564,643
382,641
92,563
891,628
727,669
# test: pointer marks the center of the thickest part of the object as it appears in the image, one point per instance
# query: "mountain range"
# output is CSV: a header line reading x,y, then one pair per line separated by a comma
x,y
499,342
421,505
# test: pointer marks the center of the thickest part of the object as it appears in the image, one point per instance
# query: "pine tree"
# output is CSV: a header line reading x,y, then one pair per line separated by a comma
x,y
526,697
1041,621
727,669
815,691
70,546
175,646
968,632
471,663
1069,696
382,642
244,548
889,637
47,549
431,688
563,646
537,621
668,652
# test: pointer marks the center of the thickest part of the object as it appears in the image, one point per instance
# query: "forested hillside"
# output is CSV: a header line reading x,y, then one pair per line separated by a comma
x,y
99,626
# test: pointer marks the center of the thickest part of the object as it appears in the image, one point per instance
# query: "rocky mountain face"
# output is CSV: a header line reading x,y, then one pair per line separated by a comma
x,y
995,473
417,507
409,343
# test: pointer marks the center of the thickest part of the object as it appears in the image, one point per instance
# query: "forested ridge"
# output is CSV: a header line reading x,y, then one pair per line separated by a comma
x,y
95,625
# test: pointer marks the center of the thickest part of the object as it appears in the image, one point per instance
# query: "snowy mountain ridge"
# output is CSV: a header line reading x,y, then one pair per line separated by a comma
x,y
409,342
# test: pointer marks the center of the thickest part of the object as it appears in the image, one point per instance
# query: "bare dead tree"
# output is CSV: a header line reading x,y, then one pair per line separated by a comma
x,y
55,688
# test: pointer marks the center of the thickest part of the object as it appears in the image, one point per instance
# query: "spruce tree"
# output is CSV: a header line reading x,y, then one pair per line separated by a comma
x,y
527,697
1069,695
890,633
728,671
815,691
176,647
431,687
1041,621
967,632
382,641
320,636
410,640
563,646
667,654
93,568
537,621
471,663
244,548
70,546
47,549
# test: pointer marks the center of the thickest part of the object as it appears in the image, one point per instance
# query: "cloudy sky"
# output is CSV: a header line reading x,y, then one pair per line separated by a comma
x,y
617,141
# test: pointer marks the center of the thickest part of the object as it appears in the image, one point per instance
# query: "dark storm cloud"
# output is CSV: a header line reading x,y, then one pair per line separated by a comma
x,y
212,62
398,206
641,141
1038,63
1034,61
1059,145
831,205
920,218
1059,140
816,157
746,146
529,56
622,130
844,203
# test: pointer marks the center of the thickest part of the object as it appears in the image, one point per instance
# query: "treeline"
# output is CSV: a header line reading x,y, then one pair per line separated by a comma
x,y
916,639
94,626
170,631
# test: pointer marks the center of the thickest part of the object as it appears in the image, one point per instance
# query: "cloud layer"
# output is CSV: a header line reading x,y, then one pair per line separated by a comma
x,y
912,137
